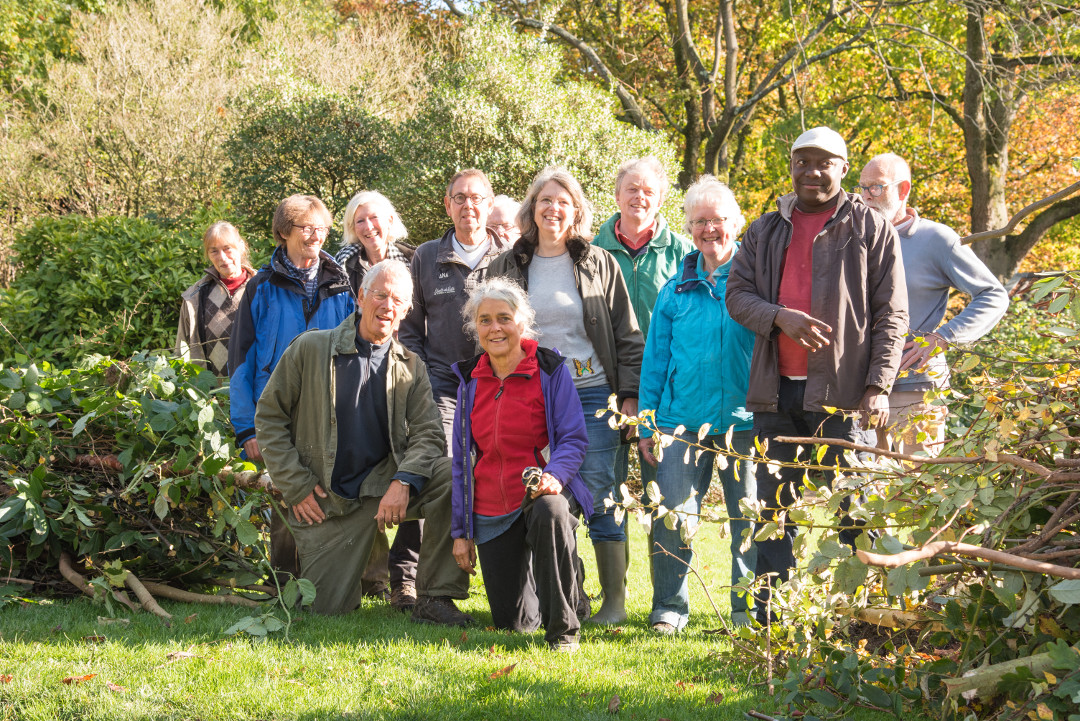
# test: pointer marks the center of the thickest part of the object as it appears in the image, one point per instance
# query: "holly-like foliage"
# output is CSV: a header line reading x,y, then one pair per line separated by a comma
x,y
118,464
102,285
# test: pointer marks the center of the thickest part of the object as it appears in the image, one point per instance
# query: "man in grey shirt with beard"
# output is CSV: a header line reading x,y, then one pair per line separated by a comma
x,y
935,262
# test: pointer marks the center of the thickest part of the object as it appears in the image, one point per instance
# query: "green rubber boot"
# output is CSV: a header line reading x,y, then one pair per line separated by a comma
x,y
611,568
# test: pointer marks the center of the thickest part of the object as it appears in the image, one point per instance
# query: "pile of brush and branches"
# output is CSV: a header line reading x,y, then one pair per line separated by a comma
x,y
964,600
120,475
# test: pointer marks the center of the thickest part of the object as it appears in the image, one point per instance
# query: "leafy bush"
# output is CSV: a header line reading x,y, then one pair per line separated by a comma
x,y
502,106
105,285
324,145
118,462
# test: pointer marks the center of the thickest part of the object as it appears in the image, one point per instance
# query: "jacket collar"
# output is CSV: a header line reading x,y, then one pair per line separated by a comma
x,y
786,205
607,239
528,365
329,269
343,337
524,250
689,277
447,254
547,360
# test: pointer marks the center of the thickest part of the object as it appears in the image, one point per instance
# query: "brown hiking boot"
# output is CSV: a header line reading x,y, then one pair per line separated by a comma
x,y
403,598
440,610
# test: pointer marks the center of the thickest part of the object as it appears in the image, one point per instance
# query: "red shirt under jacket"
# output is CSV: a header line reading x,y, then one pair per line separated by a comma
x,y
796,284
509,428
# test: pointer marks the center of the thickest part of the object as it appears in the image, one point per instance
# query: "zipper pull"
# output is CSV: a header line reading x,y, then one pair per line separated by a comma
x,y
502,387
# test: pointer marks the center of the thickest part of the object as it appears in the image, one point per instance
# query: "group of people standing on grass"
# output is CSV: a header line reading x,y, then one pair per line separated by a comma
x,y
457,390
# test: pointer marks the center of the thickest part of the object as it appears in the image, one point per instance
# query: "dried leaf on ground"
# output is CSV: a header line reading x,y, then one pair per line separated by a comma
x,y
716,699
503,671
192,617
613,704
93,639
6,678
115,687
69,680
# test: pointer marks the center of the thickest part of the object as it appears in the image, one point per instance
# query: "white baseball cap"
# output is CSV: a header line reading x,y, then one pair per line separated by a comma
x,y
822,138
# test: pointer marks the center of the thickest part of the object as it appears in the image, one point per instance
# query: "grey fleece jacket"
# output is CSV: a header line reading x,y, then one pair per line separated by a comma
x,y
935,262
434,328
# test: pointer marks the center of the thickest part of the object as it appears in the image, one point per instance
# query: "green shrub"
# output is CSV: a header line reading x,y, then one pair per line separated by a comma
x,y
106,285
117,462
501,106
324,145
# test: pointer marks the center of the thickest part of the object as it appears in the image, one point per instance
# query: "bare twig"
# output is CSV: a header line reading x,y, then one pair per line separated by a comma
x,y
20,581
964,549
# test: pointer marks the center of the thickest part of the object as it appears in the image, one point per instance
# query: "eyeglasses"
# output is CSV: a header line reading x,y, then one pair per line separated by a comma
x,y
874,190
460,198
502,226
308,230
382,296
706,222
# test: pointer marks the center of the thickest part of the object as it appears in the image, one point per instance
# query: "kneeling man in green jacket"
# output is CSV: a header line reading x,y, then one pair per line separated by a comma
x,y
352,438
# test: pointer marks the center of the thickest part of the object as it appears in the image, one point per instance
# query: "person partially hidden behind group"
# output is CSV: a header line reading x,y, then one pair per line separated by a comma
x,y
208,308
517,408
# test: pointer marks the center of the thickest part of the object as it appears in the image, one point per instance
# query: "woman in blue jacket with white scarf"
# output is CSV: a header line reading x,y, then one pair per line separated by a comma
x,y
695,372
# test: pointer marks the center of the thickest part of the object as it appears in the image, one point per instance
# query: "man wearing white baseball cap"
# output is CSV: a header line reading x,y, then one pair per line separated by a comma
x,y
821,284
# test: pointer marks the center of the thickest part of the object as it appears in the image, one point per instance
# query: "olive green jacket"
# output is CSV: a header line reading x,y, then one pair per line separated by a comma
x,y
646,274
296,421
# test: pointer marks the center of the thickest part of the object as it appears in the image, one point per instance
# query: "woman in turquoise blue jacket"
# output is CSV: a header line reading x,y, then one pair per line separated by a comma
x,y
695,373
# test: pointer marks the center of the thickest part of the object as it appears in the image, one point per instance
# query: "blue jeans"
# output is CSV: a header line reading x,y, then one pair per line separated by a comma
x,y
598,469
678,481
622,465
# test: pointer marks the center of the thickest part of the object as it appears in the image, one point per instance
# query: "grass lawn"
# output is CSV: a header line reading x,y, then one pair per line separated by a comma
x,y
373,663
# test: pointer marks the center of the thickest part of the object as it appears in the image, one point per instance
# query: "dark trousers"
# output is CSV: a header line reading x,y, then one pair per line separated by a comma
x,y
531,570
780,490
404,553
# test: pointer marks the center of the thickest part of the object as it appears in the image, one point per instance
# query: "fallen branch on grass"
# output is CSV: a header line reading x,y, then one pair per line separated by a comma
x,y
177,594
145,598
67,570
965,549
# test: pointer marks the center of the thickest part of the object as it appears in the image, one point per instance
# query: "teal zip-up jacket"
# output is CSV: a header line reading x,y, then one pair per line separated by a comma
x,y
646,274
697,360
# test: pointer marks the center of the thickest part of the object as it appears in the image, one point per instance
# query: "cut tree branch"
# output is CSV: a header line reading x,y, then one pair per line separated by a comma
x,y
936,548
177,594
145,598
1010,459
